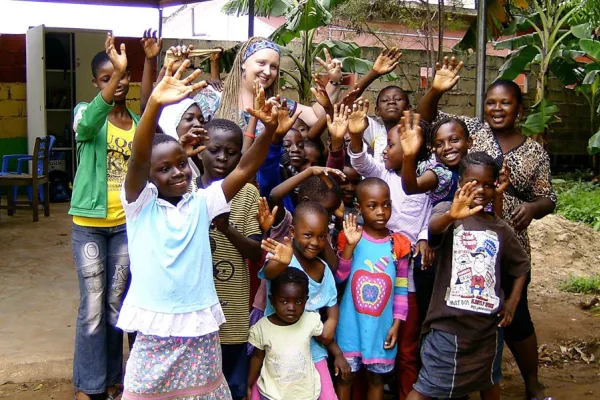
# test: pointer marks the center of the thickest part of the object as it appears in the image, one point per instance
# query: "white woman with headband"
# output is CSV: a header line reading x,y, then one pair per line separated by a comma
x,y
260,59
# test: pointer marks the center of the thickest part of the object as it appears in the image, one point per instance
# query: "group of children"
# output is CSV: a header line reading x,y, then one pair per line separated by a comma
x,y
381,252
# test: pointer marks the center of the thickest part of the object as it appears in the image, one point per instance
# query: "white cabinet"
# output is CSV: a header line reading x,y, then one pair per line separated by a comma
x,y
59,76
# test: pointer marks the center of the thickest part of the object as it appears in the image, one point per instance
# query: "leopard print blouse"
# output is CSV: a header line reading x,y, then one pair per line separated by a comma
x,y
529,167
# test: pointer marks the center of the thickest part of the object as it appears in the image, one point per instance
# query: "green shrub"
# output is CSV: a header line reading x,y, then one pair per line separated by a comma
x,y
581,284
578,201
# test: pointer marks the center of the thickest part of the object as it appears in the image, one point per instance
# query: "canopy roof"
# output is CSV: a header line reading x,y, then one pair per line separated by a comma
x,y
130,3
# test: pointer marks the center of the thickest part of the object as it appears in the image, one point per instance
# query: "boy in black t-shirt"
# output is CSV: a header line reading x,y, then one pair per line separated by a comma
x,y
462,348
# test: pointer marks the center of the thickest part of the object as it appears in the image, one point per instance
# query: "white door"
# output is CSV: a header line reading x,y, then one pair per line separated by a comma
x,y
87,45
36,85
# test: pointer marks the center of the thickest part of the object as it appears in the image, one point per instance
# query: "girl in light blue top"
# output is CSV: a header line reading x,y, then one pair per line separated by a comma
x,y
172,302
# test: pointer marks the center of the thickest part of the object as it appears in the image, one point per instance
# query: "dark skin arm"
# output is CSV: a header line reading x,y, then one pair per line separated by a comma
x,y
251,130
333,315
461,209
247,247
526,212
341,364
446,77
152,46
119,62
510,304
254,367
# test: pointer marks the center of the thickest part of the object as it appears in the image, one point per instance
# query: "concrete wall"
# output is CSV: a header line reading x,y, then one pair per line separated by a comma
x,y
568,139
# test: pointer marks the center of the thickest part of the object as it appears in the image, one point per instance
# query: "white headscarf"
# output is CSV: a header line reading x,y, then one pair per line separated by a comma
x,y
170,118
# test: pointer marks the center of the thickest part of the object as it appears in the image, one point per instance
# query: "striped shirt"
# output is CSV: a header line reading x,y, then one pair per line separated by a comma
x,y
231,276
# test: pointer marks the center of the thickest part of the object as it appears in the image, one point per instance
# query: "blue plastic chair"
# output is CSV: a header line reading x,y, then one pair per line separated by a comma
x,y
22,162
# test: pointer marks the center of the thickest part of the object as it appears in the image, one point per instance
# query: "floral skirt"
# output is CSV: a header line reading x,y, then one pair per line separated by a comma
x,y
182,368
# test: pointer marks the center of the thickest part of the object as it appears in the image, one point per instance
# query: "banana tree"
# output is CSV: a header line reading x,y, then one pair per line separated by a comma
x,y
590,89
302,19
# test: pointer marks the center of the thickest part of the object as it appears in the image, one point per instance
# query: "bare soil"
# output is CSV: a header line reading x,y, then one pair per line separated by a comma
x,y
569,337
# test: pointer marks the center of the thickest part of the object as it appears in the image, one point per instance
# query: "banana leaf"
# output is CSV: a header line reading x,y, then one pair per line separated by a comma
x,y
516,62
594,144
544,114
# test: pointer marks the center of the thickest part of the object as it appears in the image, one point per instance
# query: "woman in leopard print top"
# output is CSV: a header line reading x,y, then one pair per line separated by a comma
x,y
529,196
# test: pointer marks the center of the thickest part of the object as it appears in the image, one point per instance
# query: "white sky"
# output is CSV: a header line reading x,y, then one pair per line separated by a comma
x,y
18,16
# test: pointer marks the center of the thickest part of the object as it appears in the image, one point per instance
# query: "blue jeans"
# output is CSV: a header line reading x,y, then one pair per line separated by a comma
x,y
102,264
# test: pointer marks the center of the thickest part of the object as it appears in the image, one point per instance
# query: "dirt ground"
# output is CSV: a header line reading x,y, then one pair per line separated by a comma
x,y
568,336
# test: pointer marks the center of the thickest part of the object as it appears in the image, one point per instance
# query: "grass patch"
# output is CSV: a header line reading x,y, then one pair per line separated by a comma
x,y
578,201
581,284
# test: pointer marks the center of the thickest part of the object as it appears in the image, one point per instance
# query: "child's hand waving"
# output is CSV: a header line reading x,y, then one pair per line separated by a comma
x,y
323,172
172,88
387,61
267,111
352,231
446,75
278,252
503,178
461,205
119,61
357,119
194,141
333,66
411,138
320,93
265,217
151,44
338,126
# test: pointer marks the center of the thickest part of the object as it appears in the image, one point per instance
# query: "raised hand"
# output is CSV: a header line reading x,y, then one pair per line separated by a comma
x,y
325,172
172,88
357,120
281,253
265,217
411,138
350,97
352,230
151,44
320,93
387,61
283,118
461,205
181,53
339,125
194,141
446,75
267,111
503,177
119,61
333,66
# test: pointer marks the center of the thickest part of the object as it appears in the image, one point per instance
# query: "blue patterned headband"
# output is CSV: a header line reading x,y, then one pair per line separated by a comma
x,y
257,46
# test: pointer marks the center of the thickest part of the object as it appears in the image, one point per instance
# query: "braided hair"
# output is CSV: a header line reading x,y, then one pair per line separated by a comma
x,y
229,107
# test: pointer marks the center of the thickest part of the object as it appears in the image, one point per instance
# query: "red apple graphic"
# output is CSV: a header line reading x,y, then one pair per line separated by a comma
x,y
372,290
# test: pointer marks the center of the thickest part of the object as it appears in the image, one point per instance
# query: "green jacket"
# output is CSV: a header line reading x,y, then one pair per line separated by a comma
x,y
89,198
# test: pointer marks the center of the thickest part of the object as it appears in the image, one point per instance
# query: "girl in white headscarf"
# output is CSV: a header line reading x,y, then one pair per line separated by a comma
x,y
178,119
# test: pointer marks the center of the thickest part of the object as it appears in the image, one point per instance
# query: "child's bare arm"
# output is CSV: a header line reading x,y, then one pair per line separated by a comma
x,y
411,140
322,97
254,367
249,248
169,90
119,62
503,183
278,258
249,135
342,368
353,233
152,46
329,326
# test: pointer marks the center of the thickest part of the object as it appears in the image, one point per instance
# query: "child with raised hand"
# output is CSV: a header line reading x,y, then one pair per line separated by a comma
x,y
282,361
309,239
450,143
172,302
410,217
375,261
462,347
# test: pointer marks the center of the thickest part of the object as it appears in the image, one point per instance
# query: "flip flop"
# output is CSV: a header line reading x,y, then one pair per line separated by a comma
x,y
545,398
119,392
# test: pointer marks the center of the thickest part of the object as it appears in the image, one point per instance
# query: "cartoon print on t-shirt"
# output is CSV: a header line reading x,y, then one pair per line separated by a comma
x,y
473,280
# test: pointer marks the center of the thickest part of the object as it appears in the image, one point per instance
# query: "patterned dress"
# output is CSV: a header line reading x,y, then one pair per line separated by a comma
x,y
529,167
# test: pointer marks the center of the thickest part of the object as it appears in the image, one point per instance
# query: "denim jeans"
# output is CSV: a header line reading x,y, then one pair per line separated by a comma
x,y
102,264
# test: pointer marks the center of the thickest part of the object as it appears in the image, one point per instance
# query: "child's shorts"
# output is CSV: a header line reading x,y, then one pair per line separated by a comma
x,y
455,367
378,368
